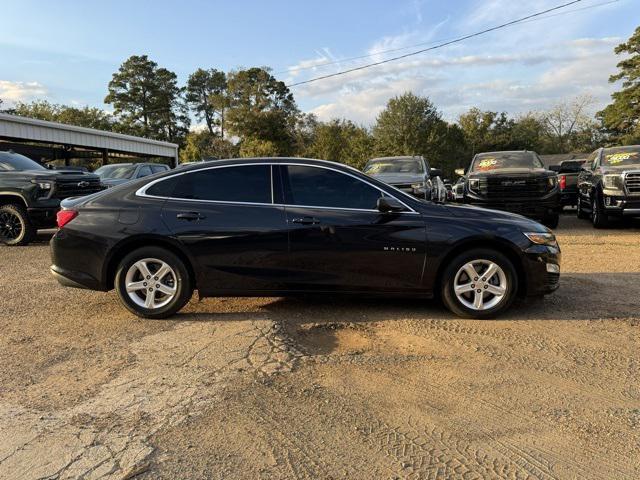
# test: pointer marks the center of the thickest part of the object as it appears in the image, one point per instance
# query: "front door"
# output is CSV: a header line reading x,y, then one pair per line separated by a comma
x,y
339,241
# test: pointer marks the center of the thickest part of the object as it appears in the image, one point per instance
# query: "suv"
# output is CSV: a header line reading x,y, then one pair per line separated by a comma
x,y
515,181
119,173
609,185
30,195
409,174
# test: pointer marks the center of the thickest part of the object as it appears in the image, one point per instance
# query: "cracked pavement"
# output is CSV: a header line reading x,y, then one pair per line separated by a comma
x,y
325,388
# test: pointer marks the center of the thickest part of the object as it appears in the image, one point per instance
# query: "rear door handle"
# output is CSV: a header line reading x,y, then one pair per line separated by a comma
x,y
190,216
306,221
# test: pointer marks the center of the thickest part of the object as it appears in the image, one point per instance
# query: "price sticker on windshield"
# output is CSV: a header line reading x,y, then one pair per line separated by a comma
x,y
487,163
616,158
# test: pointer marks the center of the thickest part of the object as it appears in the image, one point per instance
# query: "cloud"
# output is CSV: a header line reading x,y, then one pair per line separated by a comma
x,y
20,91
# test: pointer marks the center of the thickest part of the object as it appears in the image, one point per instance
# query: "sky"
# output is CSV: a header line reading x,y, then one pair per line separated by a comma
x,y
66,51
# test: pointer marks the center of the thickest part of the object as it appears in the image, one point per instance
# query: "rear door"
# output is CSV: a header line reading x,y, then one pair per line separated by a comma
x,y
339,241
226,218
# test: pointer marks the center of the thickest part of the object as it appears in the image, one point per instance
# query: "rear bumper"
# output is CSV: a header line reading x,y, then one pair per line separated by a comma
x,y
68,278
569,198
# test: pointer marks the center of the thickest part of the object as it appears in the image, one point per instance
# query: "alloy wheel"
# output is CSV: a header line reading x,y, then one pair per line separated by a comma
x,y
10,226
151,283
480,285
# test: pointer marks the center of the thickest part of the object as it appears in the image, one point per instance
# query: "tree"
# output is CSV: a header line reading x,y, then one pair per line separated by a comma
x,y
90,117
206,93
147,100
565,120
262,111
341,141
204,144
407,126
621,118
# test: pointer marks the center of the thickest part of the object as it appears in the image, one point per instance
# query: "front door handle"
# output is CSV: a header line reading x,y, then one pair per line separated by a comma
x,y
190,216
306,221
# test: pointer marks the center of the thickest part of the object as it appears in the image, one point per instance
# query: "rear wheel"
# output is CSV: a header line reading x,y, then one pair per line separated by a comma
x,y
152,282
15,227
480,283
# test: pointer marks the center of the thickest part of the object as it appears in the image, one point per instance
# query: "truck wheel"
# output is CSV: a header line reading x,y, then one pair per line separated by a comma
x,y
551,221
15,227
598,216
480,283
153,283
580,212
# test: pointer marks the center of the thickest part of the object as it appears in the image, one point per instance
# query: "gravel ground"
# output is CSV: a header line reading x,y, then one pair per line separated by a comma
x,y
284,388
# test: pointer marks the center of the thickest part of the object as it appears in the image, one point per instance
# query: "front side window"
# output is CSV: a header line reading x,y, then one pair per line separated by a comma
x,y
320,187
159,168
144,171
246,184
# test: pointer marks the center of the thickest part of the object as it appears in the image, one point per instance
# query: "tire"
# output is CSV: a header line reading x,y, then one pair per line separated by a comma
x,y
551,221
582,215
130,271
16,228
455,273
599,218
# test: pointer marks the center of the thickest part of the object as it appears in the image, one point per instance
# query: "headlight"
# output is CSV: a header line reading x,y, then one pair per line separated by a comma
x,y
548,239
419,186
42,185
473,184
612,181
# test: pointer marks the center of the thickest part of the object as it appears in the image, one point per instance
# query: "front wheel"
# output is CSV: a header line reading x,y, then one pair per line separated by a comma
x,y
152,282
15,226
598,216
480,283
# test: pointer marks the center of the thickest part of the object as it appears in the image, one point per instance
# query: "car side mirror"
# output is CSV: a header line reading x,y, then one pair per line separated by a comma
x,y
435,172
459,171
389,204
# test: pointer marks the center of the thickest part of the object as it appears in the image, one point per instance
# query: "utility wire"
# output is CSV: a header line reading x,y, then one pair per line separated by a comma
x,y
392,50
440,45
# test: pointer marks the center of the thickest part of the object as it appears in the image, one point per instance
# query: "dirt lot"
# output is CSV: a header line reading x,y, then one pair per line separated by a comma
x,y
275,388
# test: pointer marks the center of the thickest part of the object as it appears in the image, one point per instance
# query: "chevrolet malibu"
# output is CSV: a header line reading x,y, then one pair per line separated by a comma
x,y
279,227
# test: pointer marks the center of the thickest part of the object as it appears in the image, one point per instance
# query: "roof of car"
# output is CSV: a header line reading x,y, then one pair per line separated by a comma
x,y
399,157
232,161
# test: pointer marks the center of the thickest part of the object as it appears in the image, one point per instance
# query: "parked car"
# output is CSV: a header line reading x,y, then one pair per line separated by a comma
x,y
458,190
514,181
279,226
609,185
119,173
30,195
409,174
568,172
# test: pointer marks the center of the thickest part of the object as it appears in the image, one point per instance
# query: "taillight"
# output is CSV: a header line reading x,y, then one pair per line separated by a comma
x,y
65,216
563,182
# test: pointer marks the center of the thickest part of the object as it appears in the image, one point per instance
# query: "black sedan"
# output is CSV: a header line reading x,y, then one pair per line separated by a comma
x,y
277,227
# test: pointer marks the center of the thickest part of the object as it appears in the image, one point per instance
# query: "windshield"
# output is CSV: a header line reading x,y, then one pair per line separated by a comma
x,y
621,156
485,162
10,161
116,171
394,165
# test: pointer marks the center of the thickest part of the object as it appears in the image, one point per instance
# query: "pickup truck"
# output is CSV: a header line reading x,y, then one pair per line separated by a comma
x,y
30,195
409,174
609,185
515,181
568,172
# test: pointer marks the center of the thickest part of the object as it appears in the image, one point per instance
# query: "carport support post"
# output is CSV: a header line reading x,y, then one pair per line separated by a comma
x,y
105,156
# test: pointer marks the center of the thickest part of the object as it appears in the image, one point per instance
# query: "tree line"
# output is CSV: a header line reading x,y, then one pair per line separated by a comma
x,y
248,112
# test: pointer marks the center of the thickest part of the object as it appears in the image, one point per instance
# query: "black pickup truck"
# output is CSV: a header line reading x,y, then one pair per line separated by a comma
x,y
515,181
30,195
568,172
609,185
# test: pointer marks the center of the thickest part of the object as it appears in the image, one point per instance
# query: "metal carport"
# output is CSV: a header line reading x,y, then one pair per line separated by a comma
x,y
20,133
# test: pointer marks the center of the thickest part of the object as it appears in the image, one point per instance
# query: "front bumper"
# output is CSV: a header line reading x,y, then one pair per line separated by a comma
x,y
541,264
535,208
615,204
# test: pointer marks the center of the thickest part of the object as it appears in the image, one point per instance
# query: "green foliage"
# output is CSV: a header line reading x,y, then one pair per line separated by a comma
x,y
341,141
262,110
256,147
204,144
206,94
89,117
621,118
147,100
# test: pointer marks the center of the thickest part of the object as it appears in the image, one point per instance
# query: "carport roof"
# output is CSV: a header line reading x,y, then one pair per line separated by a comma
x,y
29,129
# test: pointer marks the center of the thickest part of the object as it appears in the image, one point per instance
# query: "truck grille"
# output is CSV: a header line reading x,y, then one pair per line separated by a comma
x,y
632,181
513,187
76,188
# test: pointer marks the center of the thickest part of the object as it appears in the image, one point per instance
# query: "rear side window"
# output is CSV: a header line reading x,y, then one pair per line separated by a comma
x,y
144,171
319,187
159,168
250,183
